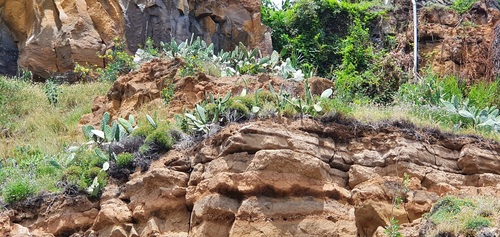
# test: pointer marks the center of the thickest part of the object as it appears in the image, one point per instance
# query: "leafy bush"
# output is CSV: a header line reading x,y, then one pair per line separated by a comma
x,y
483,94
17,190
431,90
52,92
487,118
477,223
161,137
303,29
461,6
167,94
117,62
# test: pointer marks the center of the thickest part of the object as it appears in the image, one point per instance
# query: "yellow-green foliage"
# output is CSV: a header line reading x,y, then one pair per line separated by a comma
x,y
239,107
17,190
162,137
28,117
124,159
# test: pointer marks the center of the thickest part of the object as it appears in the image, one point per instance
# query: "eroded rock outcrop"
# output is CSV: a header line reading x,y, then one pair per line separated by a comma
x,y
465,45
289,178
54,35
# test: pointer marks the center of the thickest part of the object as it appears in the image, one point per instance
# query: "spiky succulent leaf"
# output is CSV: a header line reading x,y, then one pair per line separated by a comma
x,y
108,135
131,120
100,154
115,131
151,121
105,120
226,98
201,112
126,124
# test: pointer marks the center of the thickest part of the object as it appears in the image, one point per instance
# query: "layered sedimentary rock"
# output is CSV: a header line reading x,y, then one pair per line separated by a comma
x,y
289,178
54,35
272,177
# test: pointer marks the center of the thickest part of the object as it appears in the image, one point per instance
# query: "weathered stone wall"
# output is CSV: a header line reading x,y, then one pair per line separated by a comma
x,y
54,35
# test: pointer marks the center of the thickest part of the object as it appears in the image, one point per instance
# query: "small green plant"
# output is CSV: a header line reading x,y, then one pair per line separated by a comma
x,y
281,98
167,94
219,105
117,62
465,216
161,137
99,181
310,105
52,92
487,118
392,230
124,159
17,190
477,223
461,6
109,133
199,121
483,94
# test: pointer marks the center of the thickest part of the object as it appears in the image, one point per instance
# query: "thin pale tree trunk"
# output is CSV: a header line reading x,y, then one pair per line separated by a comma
x,y
415,42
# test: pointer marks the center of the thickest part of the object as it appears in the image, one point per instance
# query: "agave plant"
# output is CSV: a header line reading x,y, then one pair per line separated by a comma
x,y
487,118
109,133
199,122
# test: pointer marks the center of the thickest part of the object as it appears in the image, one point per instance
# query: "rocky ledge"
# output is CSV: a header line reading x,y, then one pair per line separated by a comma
x,y
334,177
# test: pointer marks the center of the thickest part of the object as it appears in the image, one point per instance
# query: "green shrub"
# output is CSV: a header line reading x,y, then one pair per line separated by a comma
x,y
238,107
431,90
17,190
52,92
477,223
167,94
144,149
124,159
462,6
447,207
10,99
117,63
453,216
247,100
483,94
143,130
162,137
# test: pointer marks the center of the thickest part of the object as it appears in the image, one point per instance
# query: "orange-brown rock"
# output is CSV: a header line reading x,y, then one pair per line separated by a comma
x,y
53,35
465,45
335,177
144,87
299,178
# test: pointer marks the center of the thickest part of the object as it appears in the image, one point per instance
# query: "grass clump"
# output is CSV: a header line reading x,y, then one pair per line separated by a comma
x,y
124,159
466,216
17,190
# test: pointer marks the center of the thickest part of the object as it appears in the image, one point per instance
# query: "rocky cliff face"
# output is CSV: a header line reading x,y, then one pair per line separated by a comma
x,y
277,177
52,36
295,178
465,45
